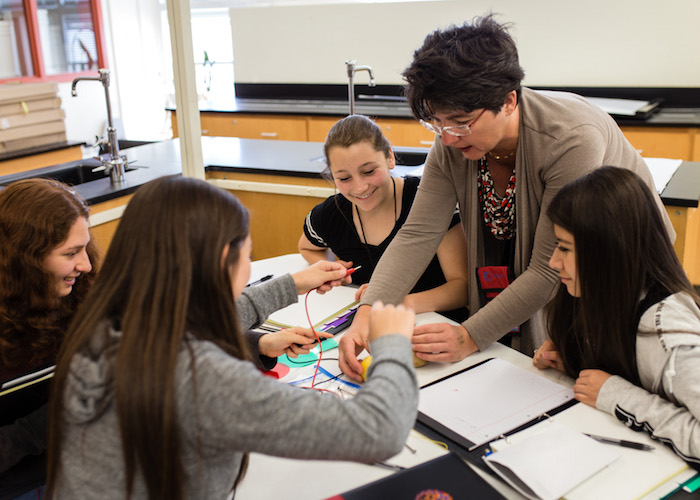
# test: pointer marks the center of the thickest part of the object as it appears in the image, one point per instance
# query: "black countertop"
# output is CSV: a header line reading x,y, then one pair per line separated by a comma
x,y
396,108
290,158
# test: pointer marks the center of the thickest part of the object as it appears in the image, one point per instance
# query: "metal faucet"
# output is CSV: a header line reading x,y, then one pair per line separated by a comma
x,y
352,68
116,164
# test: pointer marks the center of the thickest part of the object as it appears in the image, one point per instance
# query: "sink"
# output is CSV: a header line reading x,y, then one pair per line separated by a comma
x,y
71,175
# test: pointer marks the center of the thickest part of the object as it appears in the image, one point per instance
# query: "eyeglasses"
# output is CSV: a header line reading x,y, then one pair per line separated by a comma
x,y
456,130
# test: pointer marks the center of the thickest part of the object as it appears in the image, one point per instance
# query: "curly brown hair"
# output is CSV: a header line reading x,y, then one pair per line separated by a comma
x,y
36,216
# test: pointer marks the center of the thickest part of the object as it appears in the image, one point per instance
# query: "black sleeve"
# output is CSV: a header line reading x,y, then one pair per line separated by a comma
x,y
26,436
263,362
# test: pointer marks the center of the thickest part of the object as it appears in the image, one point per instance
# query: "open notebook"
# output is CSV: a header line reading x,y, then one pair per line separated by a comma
x,y
633,475
549,463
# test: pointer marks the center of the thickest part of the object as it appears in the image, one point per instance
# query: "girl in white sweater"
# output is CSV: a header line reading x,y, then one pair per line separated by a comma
x,y
626,321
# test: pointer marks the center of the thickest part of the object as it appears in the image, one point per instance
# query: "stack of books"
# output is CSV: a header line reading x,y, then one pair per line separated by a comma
x,y
30,116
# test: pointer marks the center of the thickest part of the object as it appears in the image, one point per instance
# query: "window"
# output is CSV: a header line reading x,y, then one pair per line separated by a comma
x,y
212,46
50,39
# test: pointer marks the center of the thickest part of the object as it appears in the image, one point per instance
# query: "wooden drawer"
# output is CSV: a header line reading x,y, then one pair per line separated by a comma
x,y
661,142
275,127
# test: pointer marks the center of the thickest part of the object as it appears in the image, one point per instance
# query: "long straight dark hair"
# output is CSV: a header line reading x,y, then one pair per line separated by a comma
x,y
623,252
161,282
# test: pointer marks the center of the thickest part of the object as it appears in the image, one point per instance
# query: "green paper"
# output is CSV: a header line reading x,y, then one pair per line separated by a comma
x,y
311,357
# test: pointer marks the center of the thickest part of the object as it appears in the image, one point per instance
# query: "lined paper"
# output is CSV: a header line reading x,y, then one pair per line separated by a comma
x,y
491,399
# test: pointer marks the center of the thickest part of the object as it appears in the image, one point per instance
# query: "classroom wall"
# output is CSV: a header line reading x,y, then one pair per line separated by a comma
x,y
600,43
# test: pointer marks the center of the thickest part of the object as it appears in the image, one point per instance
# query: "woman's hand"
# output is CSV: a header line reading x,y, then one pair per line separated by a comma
x,y
291,341
547,356
322,276
442,342
588,385
361,292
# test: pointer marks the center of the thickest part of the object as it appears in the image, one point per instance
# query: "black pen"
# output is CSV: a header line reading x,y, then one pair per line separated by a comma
x,y
261,280
621,442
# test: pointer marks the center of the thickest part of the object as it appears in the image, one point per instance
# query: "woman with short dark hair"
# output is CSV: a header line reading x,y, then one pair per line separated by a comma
x,y
502,153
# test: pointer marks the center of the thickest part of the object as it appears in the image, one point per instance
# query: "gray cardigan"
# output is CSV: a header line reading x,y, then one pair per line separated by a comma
x,y
232,409
561,137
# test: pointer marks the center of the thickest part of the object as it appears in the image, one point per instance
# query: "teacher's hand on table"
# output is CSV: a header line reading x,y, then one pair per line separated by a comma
x,y
290,341
322,276
588,385
442,342
547,356
353,342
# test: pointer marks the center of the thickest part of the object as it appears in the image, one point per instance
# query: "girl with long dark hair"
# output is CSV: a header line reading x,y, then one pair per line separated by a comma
x,y
625,321
155,395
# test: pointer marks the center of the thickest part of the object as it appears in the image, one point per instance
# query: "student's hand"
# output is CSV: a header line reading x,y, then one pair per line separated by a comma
x,y
353,342
322,275
292,342
547,356
361,292
442,342
387,320
588,385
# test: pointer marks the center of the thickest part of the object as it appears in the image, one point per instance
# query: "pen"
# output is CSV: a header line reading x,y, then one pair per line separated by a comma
x,y
261,280
621,442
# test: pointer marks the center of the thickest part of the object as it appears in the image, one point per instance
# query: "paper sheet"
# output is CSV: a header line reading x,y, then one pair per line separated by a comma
x,y
662,169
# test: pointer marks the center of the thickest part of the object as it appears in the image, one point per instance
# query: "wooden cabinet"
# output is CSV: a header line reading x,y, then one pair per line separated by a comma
x,y
696,144
278,206
406,132
274,127
104,219
40,160
318,127
663,142
399,131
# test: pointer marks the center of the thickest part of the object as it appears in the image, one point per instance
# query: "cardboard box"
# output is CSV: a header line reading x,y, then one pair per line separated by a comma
x,y
30,106
33,142
33,118
13,92
17,133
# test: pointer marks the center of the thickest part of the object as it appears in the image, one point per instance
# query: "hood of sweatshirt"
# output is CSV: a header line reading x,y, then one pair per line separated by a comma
x,y
90,383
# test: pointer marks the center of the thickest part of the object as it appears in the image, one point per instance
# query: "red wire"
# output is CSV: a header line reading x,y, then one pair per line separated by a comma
x,y
320,354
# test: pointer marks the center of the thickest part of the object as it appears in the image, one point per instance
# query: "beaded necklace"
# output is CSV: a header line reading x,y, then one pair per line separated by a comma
x,y
499,213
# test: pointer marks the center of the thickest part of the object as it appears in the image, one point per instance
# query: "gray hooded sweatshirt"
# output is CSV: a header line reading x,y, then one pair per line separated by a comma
x,y
232,409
